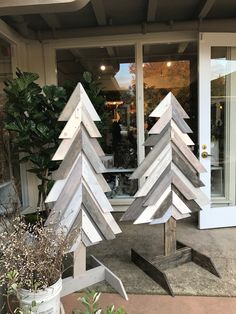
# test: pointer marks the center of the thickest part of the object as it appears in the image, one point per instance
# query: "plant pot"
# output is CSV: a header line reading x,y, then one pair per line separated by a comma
x,y
43,301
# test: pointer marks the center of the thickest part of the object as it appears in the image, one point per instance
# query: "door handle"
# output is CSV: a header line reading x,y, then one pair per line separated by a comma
x,y
205,154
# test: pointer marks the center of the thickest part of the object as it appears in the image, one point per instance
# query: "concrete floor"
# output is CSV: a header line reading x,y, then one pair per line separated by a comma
x,y
188,279
198,292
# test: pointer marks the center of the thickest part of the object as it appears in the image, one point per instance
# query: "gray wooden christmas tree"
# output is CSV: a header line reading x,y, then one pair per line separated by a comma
x,y
171,190
80,207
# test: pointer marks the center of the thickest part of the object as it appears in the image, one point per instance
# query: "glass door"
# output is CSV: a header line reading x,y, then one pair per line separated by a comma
x,y
217,113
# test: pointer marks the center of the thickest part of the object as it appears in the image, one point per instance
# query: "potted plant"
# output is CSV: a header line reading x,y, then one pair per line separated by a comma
x,y
31,115
31,265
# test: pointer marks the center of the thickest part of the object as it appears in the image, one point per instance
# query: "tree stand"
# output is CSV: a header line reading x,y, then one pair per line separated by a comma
x,y
83,278
176,253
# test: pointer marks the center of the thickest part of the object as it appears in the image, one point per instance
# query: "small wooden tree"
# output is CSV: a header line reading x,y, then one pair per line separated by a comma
x,y
81,209
171,190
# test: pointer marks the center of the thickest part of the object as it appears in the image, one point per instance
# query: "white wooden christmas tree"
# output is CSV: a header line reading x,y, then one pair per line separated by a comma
x,y
80,207
171,190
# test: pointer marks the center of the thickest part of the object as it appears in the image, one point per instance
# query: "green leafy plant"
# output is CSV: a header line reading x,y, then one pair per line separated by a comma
x,y
90,302
31,115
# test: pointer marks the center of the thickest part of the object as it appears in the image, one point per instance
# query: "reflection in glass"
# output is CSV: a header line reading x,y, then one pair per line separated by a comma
x,y
113,68
171,68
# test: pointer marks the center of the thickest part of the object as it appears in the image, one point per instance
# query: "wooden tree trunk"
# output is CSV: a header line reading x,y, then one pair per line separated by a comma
x,y
170,236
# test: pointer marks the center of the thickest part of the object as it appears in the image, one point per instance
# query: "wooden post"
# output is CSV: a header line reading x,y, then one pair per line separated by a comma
x,y
79,260
170,236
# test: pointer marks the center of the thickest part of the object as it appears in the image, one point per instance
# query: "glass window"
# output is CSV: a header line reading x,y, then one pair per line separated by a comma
x,y
113,69
171,68
223,130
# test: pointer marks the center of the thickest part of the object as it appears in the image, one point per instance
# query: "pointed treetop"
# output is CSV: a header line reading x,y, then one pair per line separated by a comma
x,y
79,97
169,102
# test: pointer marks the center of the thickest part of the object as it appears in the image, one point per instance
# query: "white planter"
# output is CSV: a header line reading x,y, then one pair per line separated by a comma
x,y
47,301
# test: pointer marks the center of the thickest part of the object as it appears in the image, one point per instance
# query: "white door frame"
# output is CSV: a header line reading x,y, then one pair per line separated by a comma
x,y
210,217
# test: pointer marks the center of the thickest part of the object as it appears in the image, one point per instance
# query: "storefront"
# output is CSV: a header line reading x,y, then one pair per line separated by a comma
x,y
136,71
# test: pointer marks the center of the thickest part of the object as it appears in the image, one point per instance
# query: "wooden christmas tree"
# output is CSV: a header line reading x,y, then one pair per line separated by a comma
x,y
81,209
171,190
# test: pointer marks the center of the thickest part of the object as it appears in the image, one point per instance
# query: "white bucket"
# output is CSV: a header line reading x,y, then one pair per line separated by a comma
x,y
47,301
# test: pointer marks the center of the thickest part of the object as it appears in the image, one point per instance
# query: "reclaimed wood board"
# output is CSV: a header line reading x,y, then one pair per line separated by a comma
x,y
170,237
161,123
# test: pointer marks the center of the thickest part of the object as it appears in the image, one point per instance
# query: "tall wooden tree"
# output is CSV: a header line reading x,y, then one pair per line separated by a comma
x,y
81,209
172,187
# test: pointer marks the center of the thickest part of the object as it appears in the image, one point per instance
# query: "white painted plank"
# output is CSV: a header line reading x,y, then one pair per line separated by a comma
x,y
89,229
163,219
78,95
89,125
179,204
201,198
149,211
185,137
177,215
167,102
162,122
94,187
73,123
153,177
55,191
97,147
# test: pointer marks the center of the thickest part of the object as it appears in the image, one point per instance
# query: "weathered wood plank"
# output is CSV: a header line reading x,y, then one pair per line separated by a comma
x,y
164,206
89,125
97,216
78,95
162,122
152,271
134,210
187,152
90,229
184,127
204,262
180,257
147,214
160,186
186,168
182,187
55,191
201,198
97,147
185,137
179,204
79,261
191,204
177,215
170,236
163,219
167,102
151,157
153,139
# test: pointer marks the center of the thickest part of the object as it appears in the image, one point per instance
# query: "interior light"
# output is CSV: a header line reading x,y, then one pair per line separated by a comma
x,y
168,64
102,67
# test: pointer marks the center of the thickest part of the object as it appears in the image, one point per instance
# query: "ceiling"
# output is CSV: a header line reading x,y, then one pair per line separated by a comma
x,y
101,17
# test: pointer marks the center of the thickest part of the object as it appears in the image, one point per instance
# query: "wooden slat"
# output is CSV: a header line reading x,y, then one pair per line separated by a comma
x,y
201,198
179,204
69,190
167,102
151,157
147,214
160,186
163,219
170,237
94,187
97,216
134,210
73,123
97,147
89,229
184,127
162,122
55,191
164,206
154,272
157,172
89,125
177,215
91,154
185,167
187,152
191,204
78,95
187,140
182,187
153,139
79,261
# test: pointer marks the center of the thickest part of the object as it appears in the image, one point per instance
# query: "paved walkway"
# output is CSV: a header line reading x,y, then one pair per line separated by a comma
x,y
155,304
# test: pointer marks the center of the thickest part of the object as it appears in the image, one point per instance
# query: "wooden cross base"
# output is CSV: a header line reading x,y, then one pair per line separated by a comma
x,y
184,254
98,273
